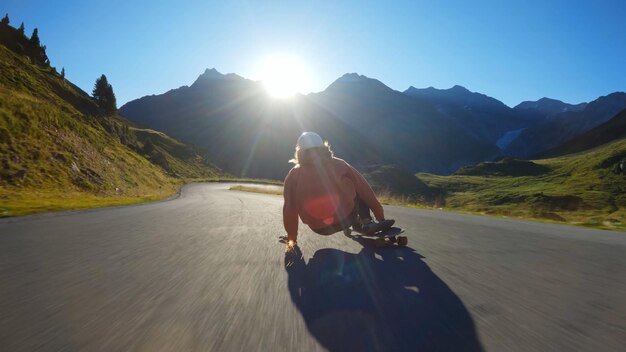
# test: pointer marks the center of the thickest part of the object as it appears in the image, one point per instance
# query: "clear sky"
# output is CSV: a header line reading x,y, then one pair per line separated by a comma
x,y
511,50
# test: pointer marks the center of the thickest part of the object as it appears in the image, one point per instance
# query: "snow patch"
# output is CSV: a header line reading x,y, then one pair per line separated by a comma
x,y
509,137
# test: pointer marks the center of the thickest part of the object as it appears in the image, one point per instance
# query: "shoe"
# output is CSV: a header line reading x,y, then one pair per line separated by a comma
x,y
369,228
386,224
372,227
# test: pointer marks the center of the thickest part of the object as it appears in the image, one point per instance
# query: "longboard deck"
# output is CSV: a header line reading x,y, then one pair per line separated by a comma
x,y
391,232
384,238
380,239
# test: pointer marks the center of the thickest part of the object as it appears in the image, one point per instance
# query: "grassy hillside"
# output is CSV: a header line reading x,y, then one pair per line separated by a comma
x,y
56,154
584,188
392,182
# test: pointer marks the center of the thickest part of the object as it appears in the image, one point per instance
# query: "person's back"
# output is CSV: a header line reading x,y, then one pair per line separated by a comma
x,y
326,192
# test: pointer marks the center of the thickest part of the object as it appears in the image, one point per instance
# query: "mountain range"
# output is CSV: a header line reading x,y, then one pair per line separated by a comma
x,y
549,106
427,130
366,122
486,118
558,128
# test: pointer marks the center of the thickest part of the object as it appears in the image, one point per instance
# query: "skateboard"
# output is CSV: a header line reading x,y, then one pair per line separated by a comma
x,y
382,238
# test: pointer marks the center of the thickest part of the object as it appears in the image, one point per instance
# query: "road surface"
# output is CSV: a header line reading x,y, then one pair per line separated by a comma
x,y
205,272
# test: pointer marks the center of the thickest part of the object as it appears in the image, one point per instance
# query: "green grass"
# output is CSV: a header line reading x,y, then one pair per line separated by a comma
x,y
56,155
227,178
32,202
580,189
276,192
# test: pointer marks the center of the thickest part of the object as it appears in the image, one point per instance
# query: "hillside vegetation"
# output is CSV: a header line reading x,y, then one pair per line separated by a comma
x,y
587,188
56,154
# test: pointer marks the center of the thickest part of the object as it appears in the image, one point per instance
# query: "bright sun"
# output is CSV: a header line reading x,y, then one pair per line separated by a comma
x,y
284,75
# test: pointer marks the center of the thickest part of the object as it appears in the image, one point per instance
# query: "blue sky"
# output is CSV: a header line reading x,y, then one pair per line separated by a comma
x,y
571,50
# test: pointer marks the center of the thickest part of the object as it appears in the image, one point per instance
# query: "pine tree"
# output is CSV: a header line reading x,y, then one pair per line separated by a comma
x,y
104,96
34,47
5,20
21,29
34,39
63,72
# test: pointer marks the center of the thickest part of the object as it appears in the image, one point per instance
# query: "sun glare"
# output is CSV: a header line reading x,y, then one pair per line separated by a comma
x,y
284,75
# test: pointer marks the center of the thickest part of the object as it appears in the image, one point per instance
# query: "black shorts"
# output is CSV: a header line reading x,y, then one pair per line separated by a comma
x,y
339,226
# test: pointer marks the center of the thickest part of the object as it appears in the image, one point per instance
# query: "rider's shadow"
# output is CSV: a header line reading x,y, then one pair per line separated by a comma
x,y
384,299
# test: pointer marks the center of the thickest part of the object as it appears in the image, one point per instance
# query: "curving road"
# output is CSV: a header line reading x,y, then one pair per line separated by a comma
x,y
204,272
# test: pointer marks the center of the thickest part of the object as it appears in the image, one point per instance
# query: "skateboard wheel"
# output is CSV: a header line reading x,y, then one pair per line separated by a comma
x,y
402,241
347,231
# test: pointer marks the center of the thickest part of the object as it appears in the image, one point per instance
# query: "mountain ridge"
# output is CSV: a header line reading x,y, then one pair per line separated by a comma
x,y
460,126
207,108
607,132
480,115
550,106
558,128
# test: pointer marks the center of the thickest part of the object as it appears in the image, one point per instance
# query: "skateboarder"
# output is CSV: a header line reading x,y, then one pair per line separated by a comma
x,y
327,193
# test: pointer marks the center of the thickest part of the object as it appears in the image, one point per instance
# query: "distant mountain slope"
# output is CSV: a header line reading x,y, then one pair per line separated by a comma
x,y
484,117
411,131
562,127
607,132
56,154
549,106
253,135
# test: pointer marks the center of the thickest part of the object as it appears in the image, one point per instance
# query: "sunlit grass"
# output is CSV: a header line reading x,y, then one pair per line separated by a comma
x,y
262,190
33,202
600,191
226,178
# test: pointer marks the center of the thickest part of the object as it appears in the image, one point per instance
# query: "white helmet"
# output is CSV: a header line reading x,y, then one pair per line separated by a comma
x,y
310,140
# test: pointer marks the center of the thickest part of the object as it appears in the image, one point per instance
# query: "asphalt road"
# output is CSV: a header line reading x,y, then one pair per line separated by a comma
x,y
205,272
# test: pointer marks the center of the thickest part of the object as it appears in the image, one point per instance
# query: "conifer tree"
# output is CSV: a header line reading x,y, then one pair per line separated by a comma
x,y
21,29
5,20
104,97
63,72
34,47
34,39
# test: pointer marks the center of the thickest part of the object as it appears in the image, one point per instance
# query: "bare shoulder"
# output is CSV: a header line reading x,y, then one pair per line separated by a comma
x,y
340,162
292,173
